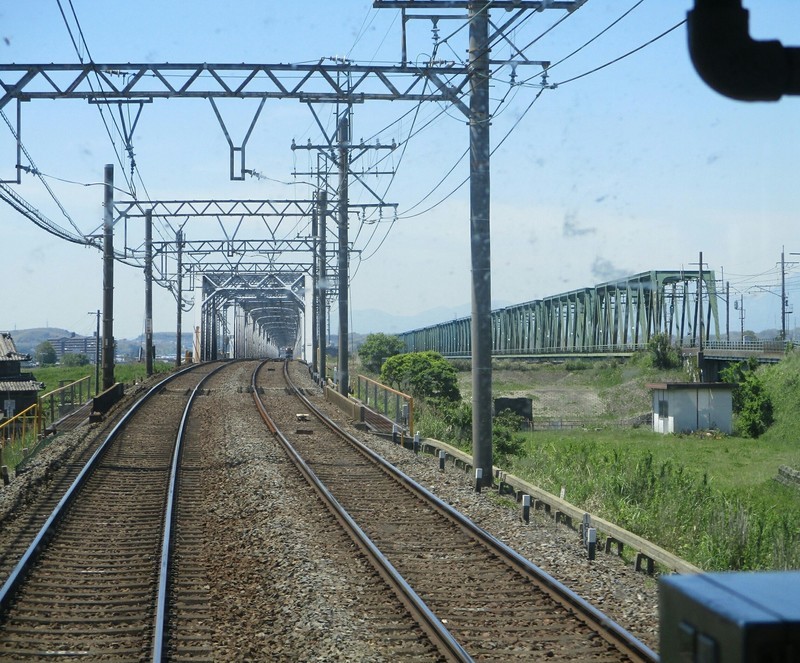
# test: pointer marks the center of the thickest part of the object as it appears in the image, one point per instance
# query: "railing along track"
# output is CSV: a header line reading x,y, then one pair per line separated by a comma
x,y
87,586
495,603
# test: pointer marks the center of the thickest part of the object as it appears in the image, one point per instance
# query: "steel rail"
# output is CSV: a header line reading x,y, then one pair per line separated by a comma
x,y
428,621
27,560
610,630
165,566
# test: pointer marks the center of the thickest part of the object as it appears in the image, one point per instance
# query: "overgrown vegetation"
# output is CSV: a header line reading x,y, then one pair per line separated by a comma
x,y
708,498
663,354
751,402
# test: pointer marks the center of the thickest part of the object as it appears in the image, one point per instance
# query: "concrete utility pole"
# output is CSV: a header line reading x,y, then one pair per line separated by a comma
x,y
314,292
344,160
323,282
179,296
783,295
344,253
108,278
148,291
479,76
478,115
700,355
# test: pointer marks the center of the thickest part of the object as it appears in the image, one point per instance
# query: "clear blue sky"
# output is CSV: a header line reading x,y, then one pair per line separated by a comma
x,y
638,166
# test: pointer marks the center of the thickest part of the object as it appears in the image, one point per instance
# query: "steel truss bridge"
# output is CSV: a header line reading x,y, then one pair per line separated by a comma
x,y
617,317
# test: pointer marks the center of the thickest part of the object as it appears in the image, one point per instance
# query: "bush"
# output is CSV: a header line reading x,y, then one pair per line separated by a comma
x,y
425,374
755,415
751,401
72,359
506,439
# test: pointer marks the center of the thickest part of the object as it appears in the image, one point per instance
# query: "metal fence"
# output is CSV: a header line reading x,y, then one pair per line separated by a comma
x,y
61,402
392,404
20,434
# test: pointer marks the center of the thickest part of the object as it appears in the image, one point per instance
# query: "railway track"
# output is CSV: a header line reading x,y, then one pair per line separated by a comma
x,y
256,569
494,604
88,585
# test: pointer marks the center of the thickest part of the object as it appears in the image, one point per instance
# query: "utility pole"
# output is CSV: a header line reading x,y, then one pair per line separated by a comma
x,y
148,291
741,315
479,182
478,116
728,310
314,289
343,145
783,296
344,253
179,296
108,278
323,283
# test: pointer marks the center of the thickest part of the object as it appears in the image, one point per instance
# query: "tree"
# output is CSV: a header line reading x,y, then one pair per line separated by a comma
x,y
72,359
422,374
377,348
45,353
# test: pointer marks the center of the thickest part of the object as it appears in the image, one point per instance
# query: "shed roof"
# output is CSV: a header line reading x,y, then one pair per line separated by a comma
x,y
8,351
20,385
686,386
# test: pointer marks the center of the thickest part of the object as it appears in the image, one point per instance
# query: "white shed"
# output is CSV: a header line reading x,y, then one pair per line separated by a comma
x,y
683,407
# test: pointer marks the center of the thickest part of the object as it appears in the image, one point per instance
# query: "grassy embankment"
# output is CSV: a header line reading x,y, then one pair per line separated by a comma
x,y
708,498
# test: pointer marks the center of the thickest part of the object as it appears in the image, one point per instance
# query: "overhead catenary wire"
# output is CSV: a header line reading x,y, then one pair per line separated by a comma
x,y
80,46
405,215
621,57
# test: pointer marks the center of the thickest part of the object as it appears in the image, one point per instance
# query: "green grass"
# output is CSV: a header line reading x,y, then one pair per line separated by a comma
x,y
709,498
55,376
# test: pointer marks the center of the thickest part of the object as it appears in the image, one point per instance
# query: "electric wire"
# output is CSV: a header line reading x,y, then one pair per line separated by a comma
x,y
596,37
621,57
34,170
119,158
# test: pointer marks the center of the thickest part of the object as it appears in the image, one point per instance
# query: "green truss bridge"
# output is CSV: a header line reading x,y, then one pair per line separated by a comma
x,y
613,318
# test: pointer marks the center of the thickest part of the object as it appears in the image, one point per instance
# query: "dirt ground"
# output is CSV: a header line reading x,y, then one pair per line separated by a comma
x,y
558,392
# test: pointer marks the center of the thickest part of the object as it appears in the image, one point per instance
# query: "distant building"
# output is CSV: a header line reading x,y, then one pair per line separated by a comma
x,y
75,345
685,407
18,390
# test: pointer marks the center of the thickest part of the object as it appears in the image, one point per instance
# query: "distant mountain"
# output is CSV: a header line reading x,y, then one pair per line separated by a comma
x,y
26,341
